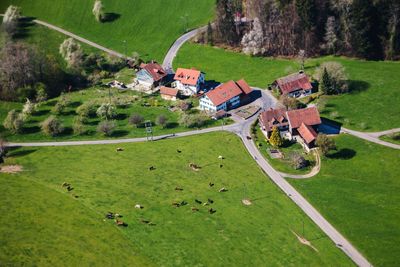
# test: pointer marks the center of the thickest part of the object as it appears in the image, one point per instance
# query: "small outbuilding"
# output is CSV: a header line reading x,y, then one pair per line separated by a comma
x,y
168,93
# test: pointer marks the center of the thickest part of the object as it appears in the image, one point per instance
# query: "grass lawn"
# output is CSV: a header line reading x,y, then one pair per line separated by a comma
x,y
148,27
357,190
371,106
47,223
283,164
32,131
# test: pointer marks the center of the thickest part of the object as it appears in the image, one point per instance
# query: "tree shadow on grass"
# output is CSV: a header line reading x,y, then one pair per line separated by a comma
x,y
344,153
356,86
41,112
75,104
31,129
120,133
110,17
67,131
121,116
171,125
20,153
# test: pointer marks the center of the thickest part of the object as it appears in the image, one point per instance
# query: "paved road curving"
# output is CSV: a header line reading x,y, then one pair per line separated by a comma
x,y
373,137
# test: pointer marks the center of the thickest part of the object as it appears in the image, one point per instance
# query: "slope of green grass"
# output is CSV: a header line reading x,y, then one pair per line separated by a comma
x,y
32,132
357,190
373,104
106,180
148,27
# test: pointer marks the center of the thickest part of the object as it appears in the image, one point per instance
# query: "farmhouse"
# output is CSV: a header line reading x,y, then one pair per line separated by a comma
x,y
188,81
151,74
294,85
226,96
168,93
299,124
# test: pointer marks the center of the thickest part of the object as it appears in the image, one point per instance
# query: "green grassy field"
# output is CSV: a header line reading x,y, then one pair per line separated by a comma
x,y
373,104
32,131
148,27
42,222
357,191
391,138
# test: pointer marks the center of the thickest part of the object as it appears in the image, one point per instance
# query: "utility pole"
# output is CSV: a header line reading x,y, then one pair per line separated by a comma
x,y
149,130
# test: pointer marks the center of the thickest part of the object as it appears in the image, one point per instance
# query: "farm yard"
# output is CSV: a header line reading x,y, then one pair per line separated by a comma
x,y
104,180
373,85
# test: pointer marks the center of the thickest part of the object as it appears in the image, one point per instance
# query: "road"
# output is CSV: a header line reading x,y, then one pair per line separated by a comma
x,y
242,129
373,137
173,50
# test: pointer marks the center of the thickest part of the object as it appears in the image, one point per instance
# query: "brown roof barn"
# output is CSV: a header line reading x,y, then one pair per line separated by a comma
x,y
294,82
227,91
309,116
273,117
155,70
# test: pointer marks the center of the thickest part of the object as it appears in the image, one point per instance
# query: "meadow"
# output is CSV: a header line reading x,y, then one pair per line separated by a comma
x,y
371,105
357,191
146,27
47,222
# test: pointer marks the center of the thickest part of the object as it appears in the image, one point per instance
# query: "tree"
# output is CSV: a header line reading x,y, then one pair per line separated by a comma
x,y
28,109
72,52
98,10
306,10
330,37
332,77
87,109
106,128
275,139
298,161
136,119
325,84
290,103
210,37
78,127
301,56
61,104
162,120
52,126
10,19
225,23
325,143
253,41
13,122
365,30
107,111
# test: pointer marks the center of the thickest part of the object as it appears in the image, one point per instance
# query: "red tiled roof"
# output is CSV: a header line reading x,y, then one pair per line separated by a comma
x,y
307,133
168,91
308,116
294,82
268,117
224,92
155,70
187,76
244,86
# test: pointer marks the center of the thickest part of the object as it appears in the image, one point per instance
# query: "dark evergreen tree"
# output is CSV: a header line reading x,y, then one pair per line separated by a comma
x,y
306,10
365,32
226,23
210,37
326,83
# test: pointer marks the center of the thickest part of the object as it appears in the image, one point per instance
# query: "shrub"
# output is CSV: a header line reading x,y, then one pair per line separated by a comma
x,y
162,120
298,161
78,127
28,109
52,126
195,120
106,111
61,104
87,109
325,143
332,78
41,92
106,128
136,119
13,122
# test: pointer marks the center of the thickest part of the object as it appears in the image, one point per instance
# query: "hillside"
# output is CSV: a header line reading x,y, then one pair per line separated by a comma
x,y
148,27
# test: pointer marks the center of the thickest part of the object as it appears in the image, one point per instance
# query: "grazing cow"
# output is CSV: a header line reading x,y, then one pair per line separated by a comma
x,y
205,204
120,149
152,168
195,209
220,165
183,203
221,157
178,188
120,223
65,184
179,151
176,204
210,201
145,221
211,211
211,184
69,188
223,189
198,201
110,215
138,206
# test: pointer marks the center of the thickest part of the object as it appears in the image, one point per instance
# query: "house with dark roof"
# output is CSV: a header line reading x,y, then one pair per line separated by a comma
x,y
188,81
294,85
226,96
151,74
300,124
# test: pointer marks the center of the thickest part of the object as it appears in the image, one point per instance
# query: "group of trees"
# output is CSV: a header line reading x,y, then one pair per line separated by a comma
x,y
364,28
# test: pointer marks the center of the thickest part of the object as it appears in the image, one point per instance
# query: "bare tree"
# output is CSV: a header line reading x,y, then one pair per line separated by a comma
x,y
98,10
330,37
301,56
72,52
10,19
253,41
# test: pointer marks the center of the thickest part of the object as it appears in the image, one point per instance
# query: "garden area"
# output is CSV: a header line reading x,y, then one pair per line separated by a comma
x,y
73,221
290,154
373,85
357,191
